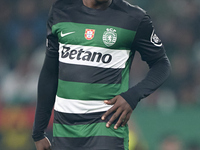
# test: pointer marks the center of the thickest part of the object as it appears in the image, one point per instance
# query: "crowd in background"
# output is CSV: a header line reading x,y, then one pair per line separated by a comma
x,y
22,33
22,50
177,23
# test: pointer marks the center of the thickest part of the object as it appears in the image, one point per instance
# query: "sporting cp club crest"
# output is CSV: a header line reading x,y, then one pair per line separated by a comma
x,y
89,34
109,37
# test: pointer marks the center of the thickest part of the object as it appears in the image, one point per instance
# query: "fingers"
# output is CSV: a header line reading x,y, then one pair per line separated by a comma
x,y
43,144
111,101
108,112
121,119
49,148
126,119
122,111
114,117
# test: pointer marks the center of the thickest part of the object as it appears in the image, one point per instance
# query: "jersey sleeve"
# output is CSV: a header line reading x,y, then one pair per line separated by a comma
x,y
52,45
47,86
150,47
146,42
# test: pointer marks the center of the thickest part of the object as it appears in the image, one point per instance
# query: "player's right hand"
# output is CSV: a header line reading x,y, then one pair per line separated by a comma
x,y
43,144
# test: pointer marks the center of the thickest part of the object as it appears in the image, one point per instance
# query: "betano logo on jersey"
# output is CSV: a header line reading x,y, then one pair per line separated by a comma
x,y
67,52
89,34
109,37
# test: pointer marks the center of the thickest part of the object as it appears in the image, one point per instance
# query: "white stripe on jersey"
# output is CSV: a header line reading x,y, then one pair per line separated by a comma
x,y
79,106
110,58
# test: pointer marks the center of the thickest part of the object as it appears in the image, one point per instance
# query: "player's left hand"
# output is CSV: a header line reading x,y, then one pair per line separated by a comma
x,y
122,110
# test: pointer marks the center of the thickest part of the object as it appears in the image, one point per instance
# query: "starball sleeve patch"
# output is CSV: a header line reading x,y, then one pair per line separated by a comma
x,y
155,39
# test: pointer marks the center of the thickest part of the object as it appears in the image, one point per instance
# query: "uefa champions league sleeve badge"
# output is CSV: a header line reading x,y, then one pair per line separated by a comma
x,y
155,39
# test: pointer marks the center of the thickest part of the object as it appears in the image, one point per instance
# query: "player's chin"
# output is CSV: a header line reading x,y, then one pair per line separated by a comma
x,y
102,1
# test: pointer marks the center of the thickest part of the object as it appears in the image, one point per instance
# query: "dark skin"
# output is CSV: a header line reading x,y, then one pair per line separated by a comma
x,y
120,107
43,144
97,4
122,110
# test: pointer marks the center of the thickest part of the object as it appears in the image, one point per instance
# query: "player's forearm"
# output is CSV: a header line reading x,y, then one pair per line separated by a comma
x,y
47,88
156,76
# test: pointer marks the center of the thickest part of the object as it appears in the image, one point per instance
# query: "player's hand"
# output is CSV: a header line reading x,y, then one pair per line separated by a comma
x,y
43,144
122,110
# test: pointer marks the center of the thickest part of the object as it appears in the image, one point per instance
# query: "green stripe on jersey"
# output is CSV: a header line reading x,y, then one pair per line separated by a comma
x,y
74,33
88,130
94,91
89,91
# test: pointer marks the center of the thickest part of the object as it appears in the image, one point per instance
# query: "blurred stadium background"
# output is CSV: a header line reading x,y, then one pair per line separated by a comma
x,y
167,120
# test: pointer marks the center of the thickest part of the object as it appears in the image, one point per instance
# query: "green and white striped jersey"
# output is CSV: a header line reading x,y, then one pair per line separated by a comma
x,y
95,49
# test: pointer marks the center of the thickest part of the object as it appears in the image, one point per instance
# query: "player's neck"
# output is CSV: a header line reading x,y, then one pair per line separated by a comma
x,y
97,4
